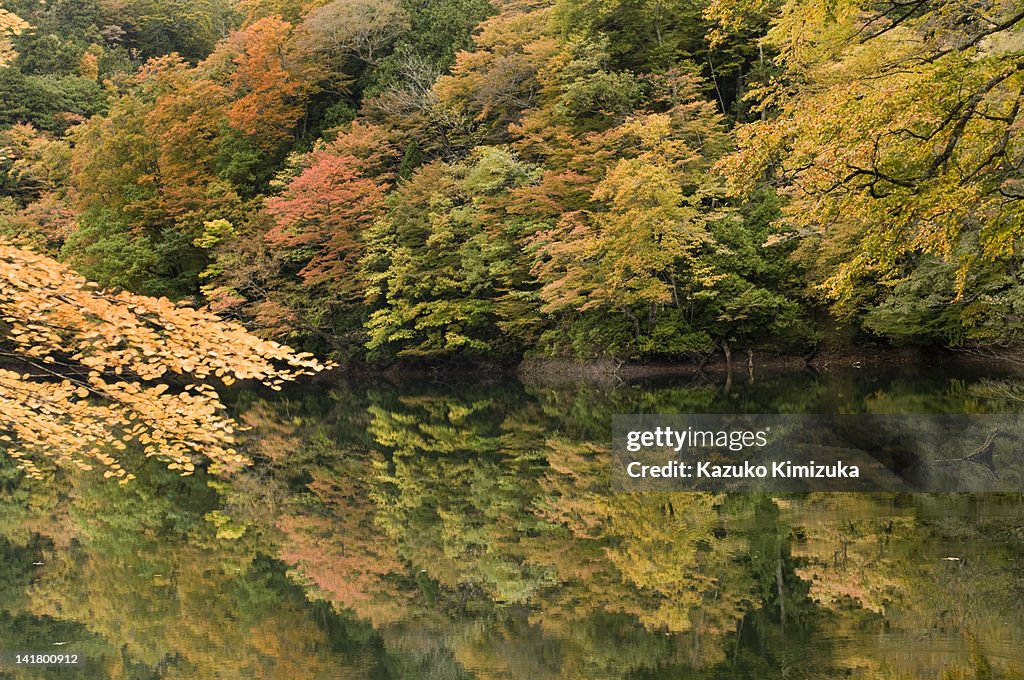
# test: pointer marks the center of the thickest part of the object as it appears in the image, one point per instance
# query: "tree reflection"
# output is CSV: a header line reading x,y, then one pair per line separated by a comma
x,y
468,531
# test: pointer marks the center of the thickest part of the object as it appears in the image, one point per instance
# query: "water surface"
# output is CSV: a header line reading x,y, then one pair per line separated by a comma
x,y
456,528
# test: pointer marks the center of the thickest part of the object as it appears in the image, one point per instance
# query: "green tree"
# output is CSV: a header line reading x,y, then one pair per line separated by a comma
x,y
437,266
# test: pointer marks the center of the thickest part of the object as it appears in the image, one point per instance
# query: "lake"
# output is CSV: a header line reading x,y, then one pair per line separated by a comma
x,y
454,527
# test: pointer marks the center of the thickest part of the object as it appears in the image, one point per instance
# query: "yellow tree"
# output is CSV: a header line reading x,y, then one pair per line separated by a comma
x,y
11,25
898,133
638,250
88,372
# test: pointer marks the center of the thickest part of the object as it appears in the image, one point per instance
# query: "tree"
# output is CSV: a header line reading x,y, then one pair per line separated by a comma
x,y
924,308
646,34
897,135
183,147
761,299
636,252
11,25
190,28
49,102
358,28
438,264
323,212
494,83
289,10
320,225
93,372
291,268
145,182
34,180
268,97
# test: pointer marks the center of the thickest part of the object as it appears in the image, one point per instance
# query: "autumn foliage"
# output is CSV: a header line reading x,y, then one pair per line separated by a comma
x,y
455,180
89,373
324,211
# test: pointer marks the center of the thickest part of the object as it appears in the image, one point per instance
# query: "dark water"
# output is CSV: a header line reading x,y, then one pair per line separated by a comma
x,y
460,528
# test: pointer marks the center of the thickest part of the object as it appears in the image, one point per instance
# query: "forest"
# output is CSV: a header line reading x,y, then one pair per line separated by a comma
x,y
203,202
459,180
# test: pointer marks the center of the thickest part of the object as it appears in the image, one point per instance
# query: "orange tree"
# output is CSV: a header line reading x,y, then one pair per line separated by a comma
x,y
87,372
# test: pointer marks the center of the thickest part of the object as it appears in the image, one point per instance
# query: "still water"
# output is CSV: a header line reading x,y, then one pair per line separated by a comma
x,y
453,528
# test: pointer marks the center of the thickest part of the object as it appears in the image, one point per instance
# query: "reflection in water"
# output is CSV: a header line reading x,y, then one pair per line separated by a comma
x,y
467,531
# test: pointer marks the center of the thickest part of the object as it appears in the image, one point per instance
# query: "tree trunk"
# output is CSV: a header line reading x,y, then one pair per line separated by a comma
x,y
727,350
634,319
778,586
760,55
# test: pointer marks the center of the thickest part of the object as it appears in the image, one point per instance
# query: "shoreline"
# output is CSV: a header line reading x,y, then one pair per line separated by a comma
x,y
546,368
553,370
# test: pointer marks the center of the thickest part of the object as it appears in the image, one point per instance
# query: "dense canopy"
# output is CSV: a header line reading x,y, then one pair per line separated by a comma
x,y
448,180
